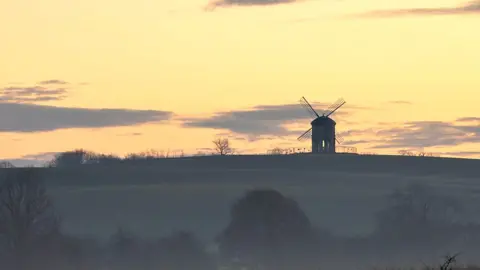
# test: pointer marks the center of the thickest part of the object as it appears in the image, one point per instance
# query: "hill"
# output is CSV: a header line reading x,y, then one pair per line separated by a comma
x,y
340,192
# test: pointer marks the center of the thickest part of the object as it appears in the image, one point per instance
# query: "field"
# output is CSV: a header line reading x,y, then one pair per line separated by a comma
x,y
339,192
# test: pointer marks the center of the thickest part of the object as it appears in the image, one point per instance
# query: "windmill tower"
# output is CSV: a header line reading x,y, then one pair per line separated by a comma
x,y
322,131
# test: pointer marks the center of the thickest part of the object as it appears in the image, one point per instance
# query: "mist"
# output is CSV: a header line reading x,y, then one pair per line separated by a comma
x,y
231,212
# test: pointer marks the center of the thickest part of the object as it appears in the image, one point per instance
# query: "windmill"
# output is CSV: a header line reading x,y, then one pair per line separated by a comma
x,y
322,131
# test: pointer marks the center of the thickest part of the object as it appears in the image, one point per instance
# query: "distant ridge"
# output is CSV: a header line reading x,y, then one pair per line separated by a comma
x,y
142,170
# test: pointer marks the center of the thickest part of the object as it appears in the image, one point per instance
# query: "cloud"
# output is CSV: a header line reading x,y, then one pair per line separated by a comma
x,y
54,81
131,134
461,153
261,120
21,117
49,90
416,135
469,119
421,134
472,7
249,137
400,102
228,3
355,142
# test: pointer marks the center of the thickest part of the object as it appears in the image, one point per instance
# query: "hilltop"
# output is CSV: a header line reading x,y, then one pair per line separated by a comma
x,y
327,163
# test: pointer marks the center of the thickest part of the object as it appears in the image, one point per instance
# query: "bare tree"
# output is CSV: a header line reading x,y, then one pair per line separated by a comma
x,y
222,146
405,152
276,151
417,215
26,211
425,154
149,154
409,153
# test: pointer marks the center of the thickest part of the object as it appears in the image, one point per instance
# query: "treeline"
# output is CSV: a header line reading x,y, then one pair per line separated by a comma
x,y
266,230
81,157
221,146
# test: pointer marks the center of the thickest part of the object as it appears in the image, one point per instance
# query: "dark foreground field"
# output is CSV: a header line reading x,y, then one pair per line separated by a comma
x,y
339,192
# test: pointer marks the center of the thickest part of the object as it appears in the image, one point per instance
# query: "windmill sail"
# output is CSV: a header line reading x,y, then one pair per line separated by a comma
x,y
306,135
308,107
339,138
334,107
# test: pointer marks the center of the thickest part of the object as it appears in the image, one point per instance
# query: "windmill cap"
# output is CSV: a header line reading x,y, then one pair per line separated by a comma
x,y
323,120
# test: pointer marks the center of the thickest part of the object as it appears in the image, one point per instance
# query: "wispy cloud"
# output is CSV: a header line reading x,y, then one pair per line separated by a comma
x,y
461,153
355,142
469,119
421,134
228,3
49,90
400,102
131,134
53,82
22,117
250,137
472,7
31,94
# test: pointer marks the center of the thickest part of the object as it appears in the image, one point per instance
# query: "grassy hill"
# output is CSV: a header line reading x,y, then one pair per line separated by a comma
x,y
154,197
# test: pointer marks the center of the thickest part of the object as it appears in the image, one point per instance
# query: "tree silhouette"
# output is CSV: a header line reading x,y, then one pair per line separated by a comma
x,y
266,228
222,146
276,151
125,250
148,154
26,212
122,242
179,251
72,158
416,213
182,250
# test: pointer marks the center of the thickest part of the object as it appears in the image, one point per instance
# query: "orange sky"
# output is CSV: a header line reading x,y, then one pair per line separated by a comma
x,y
175,56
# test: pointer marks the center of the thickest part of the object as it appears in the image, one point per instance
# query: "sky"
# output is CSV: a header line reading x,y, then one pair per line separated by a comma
x,y
127,76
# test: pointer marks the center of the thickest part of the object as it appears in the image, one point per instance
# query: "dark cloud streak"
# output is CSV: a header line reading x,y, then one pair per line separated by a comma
x,y
54,81
400,102
20,117
229,3
472,7
260,120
